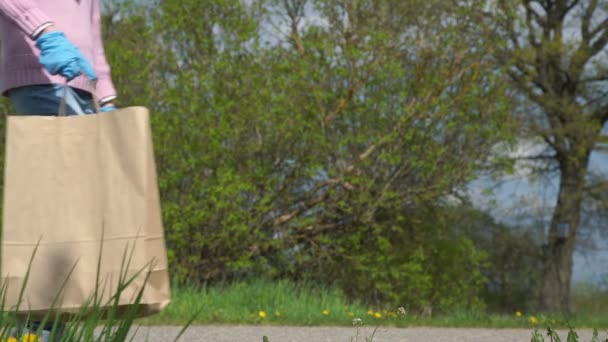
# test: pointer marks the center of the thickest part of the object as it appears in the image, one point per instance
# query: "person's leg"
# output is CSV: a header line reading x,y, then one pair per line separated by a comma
x,y
46,100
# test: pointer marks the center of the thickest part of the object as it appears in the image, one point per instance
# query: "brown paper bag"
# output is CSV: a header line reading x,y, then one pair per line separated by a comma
x,y
82,190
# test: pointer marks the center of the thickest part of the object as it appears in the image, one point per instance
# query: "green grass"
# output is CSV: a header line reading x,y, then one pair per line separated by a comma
x,y
115,321
309,305
243,303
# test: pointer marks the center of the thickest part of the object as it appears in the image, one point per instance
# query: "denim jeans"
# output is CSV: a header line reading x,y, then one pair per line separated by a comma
x,y
46,99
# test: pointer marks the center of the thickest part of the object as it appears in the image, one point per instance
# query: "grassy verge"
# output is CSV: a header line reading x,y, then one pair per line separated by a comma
x,y
284,303
102,318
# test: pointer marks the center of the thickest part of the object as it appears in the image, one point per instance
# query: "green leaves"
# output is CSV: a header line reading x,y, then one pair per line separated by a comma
x,y
278,159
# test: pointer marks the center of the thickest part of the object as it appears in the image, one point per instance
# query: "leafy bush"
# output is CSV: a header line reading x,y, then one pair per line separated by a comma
x,y
304,157
425,267
513,256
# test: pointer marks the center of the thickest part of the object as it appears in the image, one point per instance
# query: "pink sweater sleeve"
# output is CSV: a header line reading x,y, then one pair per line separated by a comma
x,y
25,14
105,87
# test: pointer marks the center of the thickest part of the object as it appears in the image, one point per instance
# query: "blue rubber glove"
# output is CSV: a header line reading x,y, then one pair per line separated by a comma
x,y
59,56
108,108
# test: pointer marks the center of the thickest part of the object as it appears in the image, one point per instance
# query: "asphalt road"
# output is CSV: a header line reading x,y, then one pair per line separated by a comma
x,y
341,334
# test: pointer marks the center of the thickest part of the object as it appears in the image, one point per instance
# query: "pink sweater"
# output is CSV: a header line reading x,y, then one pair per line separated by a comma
x,y
80,20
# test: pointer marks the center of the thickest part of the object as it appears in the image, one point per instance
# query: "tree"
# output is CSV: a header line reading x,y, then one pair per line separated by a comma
x,y
417,111
299,138
552,52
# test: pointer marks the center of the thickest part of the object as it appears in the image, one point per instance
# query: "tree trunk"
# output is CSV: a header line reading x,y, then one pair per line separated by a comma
x,y
559,250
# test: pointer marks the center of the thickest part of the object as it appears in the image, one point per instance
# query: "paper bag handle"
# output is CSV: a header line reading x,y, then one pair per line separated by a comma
x,y
63,104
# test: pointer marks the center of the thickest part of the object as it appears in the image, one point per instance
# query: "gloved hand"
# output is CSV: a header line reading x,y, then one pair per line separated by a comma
x,y
59,56
108,108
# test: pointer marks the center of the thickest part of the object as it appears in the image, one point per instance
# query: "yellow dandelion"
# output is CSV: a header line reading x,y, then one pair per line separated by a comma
x,y
533,320
370,312
518,313
262,314
326,312
277,314
378,315
351,314
12,339
30,338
